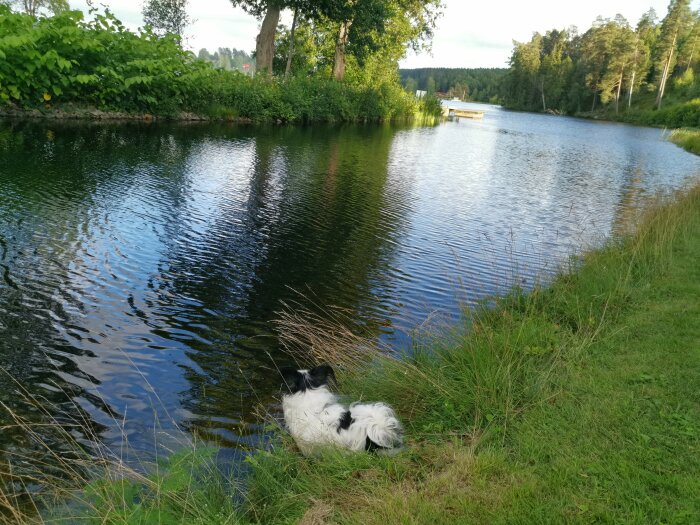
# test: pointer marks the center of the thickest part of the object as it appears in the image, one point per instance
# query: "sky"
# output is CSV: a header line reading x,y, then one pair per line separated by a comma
x,y
470,34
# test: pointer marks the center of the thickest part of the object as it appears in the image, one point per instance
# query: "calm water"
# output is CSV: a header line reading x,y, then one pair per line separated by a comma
x,y
142,266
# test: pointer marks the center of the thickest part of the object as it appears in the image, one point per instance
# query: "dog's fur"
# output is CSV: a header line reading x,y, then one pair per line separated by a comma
x,y
315,418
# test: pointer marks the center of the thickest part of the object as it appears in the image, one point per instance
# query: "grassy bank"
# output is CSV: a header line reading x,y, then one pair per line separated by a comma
x,y
63,66
574,403
688,139
680,109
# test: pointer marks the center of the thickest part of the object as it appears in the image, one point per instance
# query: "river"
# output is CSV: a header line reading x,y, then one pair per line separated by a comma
x,y
144,265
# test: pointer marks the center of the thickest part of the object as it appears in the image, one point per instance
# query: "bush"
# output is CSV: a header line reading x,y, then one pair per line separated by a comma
x,y
431,105
64,59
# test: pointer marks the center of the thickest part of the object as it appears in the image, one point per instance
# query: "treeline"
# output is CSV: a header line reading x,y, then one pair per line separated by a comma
x,y
477,84
612,67
229,59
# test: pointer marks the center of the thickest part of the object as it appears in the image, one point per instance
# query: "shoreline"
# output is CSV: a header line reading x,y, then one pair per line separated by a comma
x,y
92,114
572,402
70,112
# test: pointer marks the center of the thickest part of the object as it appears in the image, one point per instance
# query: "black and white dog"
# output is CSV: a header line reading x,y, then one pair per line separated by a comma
x,y
315,418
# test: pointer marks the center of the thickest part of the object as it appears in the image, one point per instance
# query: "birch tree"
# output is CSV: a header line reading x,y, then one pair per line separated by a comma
x,y
674,28
645,39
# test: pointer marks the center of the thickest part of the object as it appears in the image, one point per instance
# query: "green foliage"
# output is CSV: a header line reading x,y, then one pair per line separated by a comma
x,y
478,85
229,59
166,16
688,139
64,59
606,68
187,488
550,408
672,115
431,105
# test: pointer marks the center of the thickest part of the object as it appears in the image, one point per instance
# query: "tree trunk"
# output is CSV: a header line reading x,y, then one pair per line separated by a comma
x,y
288,69
692,52
619,90
339,61
544,104
664,75
30,7
265,43
629,100
634,71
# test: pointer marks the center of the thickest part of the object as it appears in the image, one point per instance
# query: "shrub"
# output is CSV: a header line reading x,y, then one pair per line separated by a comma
x,y
61,59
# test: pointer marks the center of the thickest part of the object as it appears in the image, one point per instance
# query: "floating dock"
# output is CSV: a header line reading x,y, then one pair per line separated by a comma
x,y
462,113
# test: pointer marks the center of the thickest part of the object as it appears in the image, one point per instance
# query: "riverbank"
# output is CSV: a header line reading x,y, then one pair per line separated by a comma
x,y
70,111
64,67
573,403
688,139
675,114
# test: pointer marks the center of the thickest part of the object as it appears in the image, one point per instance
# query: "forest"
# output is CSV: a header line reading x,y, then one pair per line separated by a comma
x,y
477,84
643,73
228,59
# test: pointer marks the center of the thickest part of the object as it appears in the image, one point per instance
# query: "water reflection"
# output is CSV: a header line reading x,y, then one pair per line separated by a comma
x,y
142,265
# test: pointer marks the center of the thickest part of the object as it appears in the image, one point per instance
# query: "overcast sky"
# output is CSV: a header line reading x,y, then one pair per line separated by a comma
x,y
470,34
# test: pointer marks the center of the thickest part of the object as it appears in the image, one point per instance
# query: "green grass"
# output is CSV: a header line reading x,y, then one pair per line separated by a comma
x,y
575,403
680,108
688,139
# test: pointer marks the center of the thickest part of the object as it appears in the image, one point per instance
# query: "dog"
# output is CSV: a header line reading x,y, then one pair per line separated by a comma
x,y
314,417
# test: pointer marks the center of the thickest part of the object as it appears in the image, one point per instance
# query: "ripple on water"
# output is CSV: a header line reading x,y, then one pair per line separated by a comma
x,y
143,266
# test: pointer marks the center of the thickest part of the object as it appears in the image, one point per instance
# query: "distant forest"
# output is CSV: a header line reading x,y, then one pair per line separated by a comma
x,y
228,59
478,84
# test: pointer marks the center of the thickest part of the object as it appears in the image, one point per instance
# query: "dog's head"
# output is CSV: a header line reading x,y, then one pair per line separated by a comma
x,y
294,381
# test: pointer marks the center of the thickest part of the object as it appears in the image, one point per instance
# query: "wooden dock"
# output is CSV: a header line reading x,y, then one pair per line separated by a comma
x,y
462,113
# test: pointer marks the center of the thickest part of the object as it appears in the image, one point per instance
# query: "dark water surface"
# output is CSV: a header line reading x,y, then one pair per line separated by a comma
x,y
142,266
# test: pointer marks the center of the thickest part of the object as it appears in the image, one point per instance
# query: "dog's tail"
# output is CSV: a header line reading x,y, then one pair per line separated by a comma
x,y
382,428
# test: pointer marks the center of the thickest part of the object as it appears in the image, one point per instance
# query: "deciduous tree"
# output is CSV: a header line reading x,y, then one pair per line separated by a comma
x,y
34,7
167,16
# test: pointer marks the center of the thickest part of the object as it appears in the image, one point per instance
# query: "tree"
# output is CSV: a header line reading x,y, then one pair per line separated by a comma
x,y
269,11
674,28
621,53
555,68
431,86
366,19
411,85
689,45
166,16
522,84
368,26
299,54
645,39
34,7
598,46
